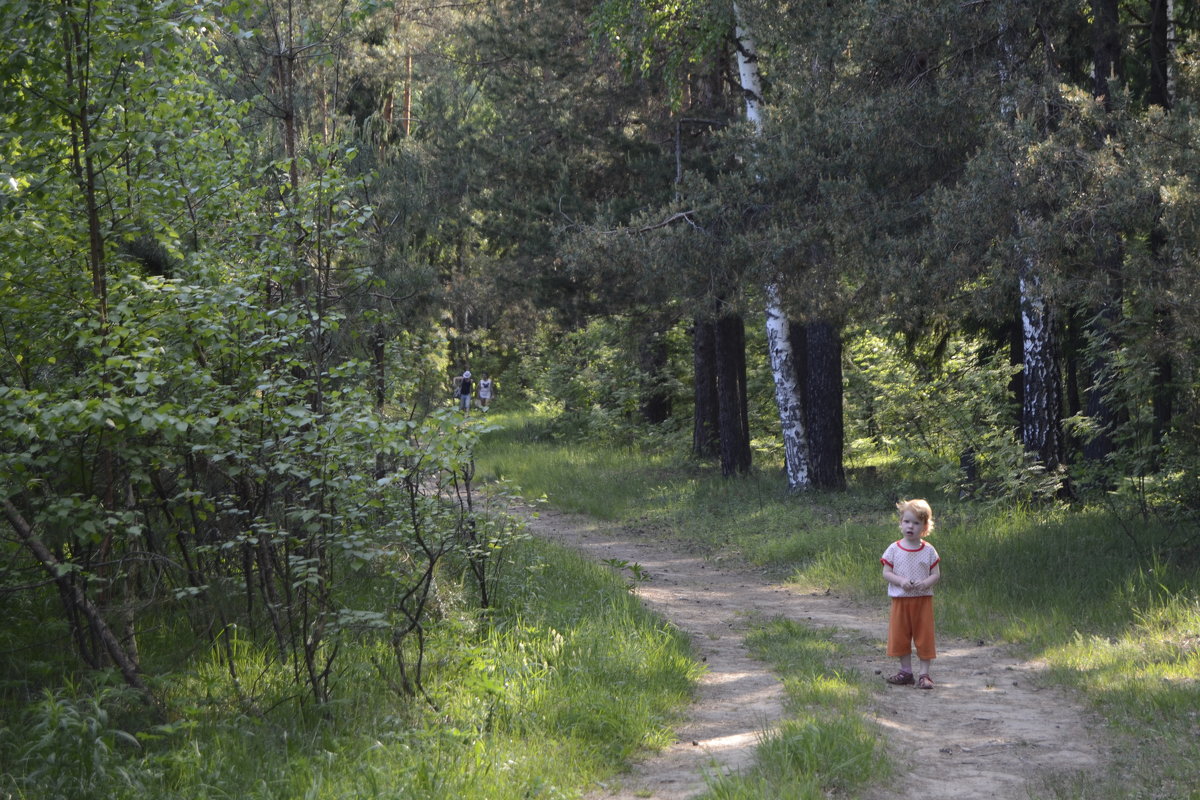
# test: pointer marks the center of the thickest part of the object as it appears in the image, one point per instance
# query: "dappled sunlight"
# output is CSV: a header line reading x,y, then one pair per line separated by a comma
x,y
1152,671
897,726
732,741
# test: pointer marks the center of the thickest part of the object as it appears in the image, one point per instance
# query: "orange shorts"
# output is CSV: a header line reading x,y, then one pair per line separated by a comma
x,y
911,623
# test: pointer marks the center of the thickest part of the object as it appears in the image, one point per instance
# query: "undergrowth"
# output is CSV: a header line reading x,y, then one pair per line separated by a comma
x,y
552,690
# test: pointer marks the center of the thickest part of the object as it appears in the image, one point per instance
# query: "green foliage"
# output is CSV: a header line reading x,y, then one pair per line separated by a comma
x,y
187,428
1152,470
669,41
69,746
950,418
636,573
591,379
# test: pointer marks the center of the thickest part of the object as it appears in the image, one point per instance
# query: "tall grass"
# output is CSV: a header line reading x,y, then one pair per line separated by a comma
x,y
1110,601
550,692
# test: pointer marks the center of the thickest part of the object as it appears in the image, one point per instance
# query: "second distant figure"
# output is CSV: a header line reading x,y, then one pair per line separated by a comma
x,y
487,391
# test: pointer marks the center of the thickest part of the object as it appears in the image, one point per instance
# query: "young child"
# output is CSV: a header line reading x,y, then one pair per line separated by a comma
x,y
911,568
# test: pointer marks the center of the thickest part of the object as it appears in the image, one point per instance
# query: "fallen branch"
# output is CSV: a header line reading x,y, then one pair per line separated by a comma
x,y
684,215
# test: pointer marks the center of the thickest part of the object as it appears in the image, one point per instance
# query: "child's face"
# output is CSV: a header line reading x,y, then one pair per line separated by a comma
x,y
911,527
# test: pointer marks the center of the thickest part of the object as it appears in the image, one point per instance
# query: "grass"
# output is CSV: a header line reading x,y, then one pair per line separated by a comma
x,y
1110,601
825,747
552,692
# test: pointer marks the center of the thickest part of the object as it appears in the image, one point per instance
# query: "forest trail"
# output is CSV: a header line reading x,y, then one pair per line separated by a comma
x,y
990,728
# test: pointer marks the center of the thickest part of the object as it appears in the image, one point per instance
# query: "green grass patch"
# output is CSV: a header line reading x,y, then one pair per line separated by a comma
x,y
604,482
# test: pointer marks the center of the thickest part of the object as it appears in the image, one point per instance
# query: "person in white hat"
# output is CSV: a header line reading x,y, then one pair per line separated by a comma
x,y
465,390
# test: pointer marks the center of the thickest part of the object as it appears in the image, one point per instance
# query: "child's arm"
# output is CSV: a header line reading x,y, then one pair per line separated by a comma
x,y
892,577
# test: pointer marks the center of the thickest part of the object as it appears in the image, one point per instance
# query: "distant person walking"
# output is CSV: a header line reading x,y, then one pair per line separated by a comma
x,y
911,567
465,389
487,391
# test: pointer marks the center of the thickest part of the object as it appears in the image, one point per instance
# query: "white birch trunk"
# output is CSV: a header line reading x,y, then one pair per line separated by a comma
x,y
747,59
1041,400
1041,389
779,342
787,393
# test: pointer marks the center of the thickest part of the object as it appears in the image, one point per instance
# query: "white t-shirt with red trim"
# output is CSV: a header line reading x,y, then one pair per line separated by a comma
x,y
911,565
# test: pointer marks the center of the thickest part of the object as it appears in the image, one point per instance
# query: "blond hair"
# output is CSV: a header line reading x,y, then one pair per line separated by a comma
x,y
920,510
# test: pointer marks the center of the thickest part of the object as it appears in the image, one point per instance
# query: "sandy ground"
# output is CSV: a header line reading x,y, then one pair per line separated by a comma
x,y
989,729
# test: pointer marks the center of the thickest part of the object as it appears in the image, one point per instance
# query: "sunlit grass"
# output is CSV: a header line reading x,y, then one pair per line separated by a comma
x,y
825,747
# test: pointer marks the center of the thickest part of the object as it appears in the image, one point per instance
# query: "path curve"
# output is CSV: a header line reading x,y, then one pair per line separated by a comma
x,y
990,729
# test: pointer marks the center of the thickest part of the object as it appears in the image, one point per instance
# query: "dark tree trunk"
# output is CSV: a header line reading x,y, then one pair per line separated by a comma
x,y
1016,384
823,405
379,364
731,395
1074,374
1164,394
798,334
1161,94
706,420
1106,49
1160,53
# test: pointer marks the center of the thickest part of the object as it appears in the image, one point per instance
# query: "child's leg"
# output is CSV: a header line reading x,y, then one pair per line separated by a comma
x,y
899,642
923,631
923,639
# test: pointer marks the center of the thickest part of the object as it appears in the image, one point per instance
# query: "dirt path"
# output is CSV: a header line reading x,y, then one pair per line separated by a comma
x,y
989,729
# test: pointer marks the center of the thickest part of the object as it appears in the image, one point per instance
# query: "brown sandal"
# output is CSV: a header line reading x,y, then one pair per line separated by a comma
x,y
901,678
924,682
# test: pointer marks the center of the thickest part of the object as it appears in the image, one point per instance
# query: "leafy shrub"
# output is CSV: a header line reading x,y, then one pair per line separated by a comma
x,y
950,418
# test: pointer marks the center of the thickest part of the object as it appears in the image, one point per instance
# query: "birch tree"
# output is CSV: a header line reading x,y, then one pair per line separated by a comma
x,y
1041,409
788,395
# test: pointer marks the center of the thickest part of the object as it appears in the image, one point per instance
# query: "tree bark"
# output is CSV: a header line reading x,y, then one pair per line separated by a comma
x,y
706,427
1162,94
78,601
734,426
1162,79
1041,402
1041,411
788,396
789,371
654,403
1106,46
823,405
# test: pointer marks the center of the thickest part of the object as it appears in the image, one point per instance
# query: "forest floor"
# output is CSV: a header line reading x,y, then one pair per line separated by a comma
x,y
989,729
